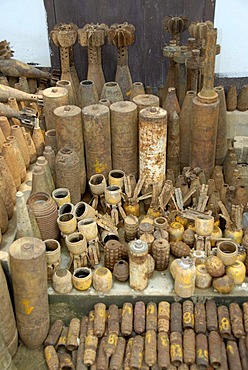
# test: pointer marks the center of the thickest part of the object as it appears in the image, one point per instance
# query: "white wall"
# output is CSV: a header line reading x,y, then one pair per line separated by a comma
x,y
231,21
24,25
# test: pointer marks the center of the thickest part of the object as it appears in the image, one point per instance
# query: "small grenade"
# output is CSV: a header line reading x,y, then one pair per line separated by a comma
x,y
139,322
161,254
163,317
215,266
180,249
99,319
224,284
203,279
131,225
189,237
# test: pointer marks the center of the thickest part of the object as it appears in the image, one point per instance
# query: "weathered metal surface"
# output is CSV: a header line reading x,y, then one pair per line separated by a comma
x,y
65,361
211,315
51,357
61,344
151,316
91,343
242,104
7,92
73,334
118,357
188,315
161,254
96,127
150,348
176,317
54,333
215,350
138,264
137,352
164,317
245,317
163,350
221,140
139,322
128,352
202,357
176,348
233,355
16,68
111,344
200,318
99,319
113,319
236,318
152,145
189,354
127,319
53,97
124,137
102,360
224,322
112,253
231,98
243,352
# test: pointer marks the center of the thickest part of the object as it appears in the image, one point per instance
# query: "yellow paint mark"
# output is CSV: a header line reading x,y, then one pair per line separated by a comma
x,y
229,348
28,309
100,167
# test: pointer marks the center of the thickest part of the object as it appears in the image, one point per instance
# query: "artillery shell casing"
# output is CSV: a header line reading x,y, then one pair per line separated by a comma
x,y
124,137
61,344
224,365
200,318
236,318
80,357
189,346
54,333
139,320
127,319
243,353
53,97
201,351
113,319
151,316
65,362
163,350
137,352
118,357
102,360
128,352
215,350
163,317
150,348
99,319
176,349
90,328
51,358
211,313
176,317
188,315
91,343
73,334
233,355
224,322
245,312
83,328
111,344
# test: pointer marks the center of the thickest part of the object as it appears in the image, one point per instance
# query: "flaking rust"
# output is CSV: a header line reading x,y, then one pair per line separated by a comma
x,y
151,316
137,352
176,348
200,318
176,317
233,355
113,319
127,319
150,348
118,357
188,315
163,350
211,313
128,354
99,319
224,322
163,317
139,317
201,351
236,318
54,333
215,350
91,343
189,346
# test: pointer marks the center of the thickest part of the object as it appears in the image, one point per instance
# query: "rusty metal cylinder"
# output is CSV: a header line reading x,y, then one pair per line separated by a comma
x,y
127,319
150,348
124,137
176,348
69,134
189,346
8,329
203,135
176,317
51,357
113,319
118,357
245,318
224,322
61,344
29,277
99,319
128,354
200,318
112,253
243,352
236,318
54,333
73,334
97,138
214,345
137,352
51,140
144,101
131,225
111,344
53,97
102,361
90,326
211,314
151,316
67,169
152,145
201,351
188,315
65,362
233,355
138,264
163,317
91,343
139,320
161,254
163,350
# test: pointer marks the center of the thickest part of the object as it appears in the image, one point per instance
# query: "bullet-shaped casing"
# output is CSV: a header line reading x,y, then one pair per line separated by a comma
x,y
188,315
124,137
152,145
53,97
200,318
224,322
151,316
189,346
69,133
102,360
150,348
54,333
215,350
138,264
176,317
163,350
127,319
176,348
113,319
128,353
236,318
99,319
111,344
145,100
73,334
202,351
211,314
139,320
91,343
97,138
90,328
137,352
233,355
118,357
51,358
164,310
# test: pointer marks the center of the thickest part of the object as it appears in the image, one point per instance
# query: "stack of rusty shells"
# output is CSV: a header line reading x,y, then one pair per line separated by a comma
x,y
45,211
166,336
237,101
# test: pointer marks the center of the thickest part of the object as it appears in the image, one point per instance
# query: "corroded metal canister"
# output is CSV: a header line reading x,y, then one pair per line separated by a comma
x,y
201,351
233,355
161,254
128,353
245,312
176,317
144,101
211,313
176,348
54,333
97,138
99,319
139,322
200,318
91,343
137,352
163,350
118,357
214,344
138,264
53,97
131,225
51,357
188,315
127,319
113,319
112,253
221,140
189,346
224,322
151,316
73,334
150,348
69,134
236,318
152,145
163,317
29,277
124,137
67,169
